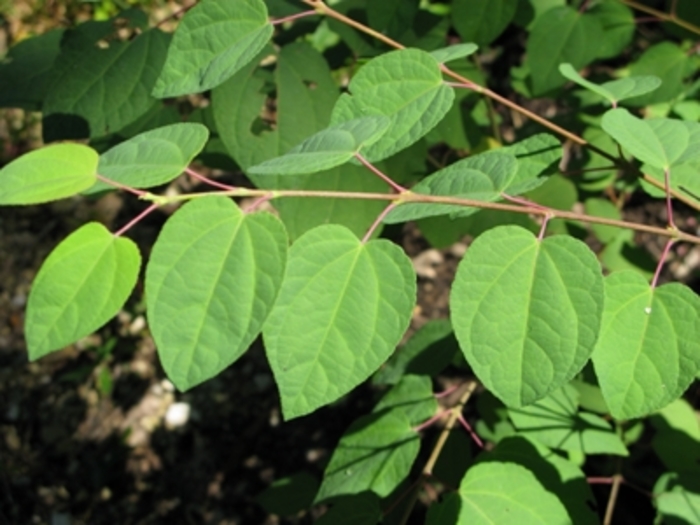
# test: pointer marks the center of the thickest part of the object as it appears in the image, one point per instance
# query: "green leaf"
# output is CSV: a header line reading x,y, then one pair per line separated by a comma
x,y
453,52
105,89
677,437
555,422
561,34
47,174
375,454
659,142
606,209
405,85
616,90
412,395
535,155
290,495
668,61
557,475
83,283
649,347
24,71
526,312
326,149
495,492
427,352
211,281
214,40
342,310
617,21
481,21
481,177
677,497
358,509
152,158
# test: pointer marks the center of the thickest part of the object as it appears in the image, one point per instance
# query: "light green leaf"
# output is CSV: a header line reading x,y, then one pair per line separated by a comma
x,y
556,474
555,422
526,312
535,155
211,280
47,174
214,40
649,347
481,21
342,310
606,209
405,85
659,142
447,54
561,34
481,177
105,89
616,90
495,492
83,283
326,149
152,158
375,454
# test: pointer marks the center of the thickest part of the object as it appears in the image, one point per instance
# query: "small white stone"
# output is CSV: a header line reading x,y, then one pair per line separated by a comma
x,y
177,415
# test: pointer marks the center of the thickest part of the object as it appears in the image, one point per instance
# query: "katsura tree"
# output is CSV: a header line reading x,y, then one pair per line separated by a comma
x,y
348,116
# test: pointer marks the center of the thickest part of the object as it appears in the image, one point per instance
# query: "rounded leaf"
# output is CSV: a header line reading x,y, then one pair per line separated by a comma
x,y
526,312
211,281
342,309
83,283
48,174
648,352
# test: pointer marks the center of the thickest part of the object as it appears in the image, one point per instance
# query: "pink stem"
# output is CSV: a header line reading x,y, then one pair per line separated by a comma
x,y
460,85
136,219
543,228
370,167
121,186
669,204
430,421
471,432
524,202
378,221
599,481
446,392
206,180
662,261
257,202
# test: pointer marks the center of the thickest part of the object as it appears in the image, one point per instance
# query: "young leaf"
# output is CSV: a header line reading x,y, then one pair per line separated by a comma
x,y
106,89
326,149
495,492
152,158
341,311
556,422
83,283
659,142
526,312
666,60
211,281
215,39
405,85
676,438
375,454
561,34
482,177
481,21
677,497
47,174
617,21
649,347
447,54
616,90
412,395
